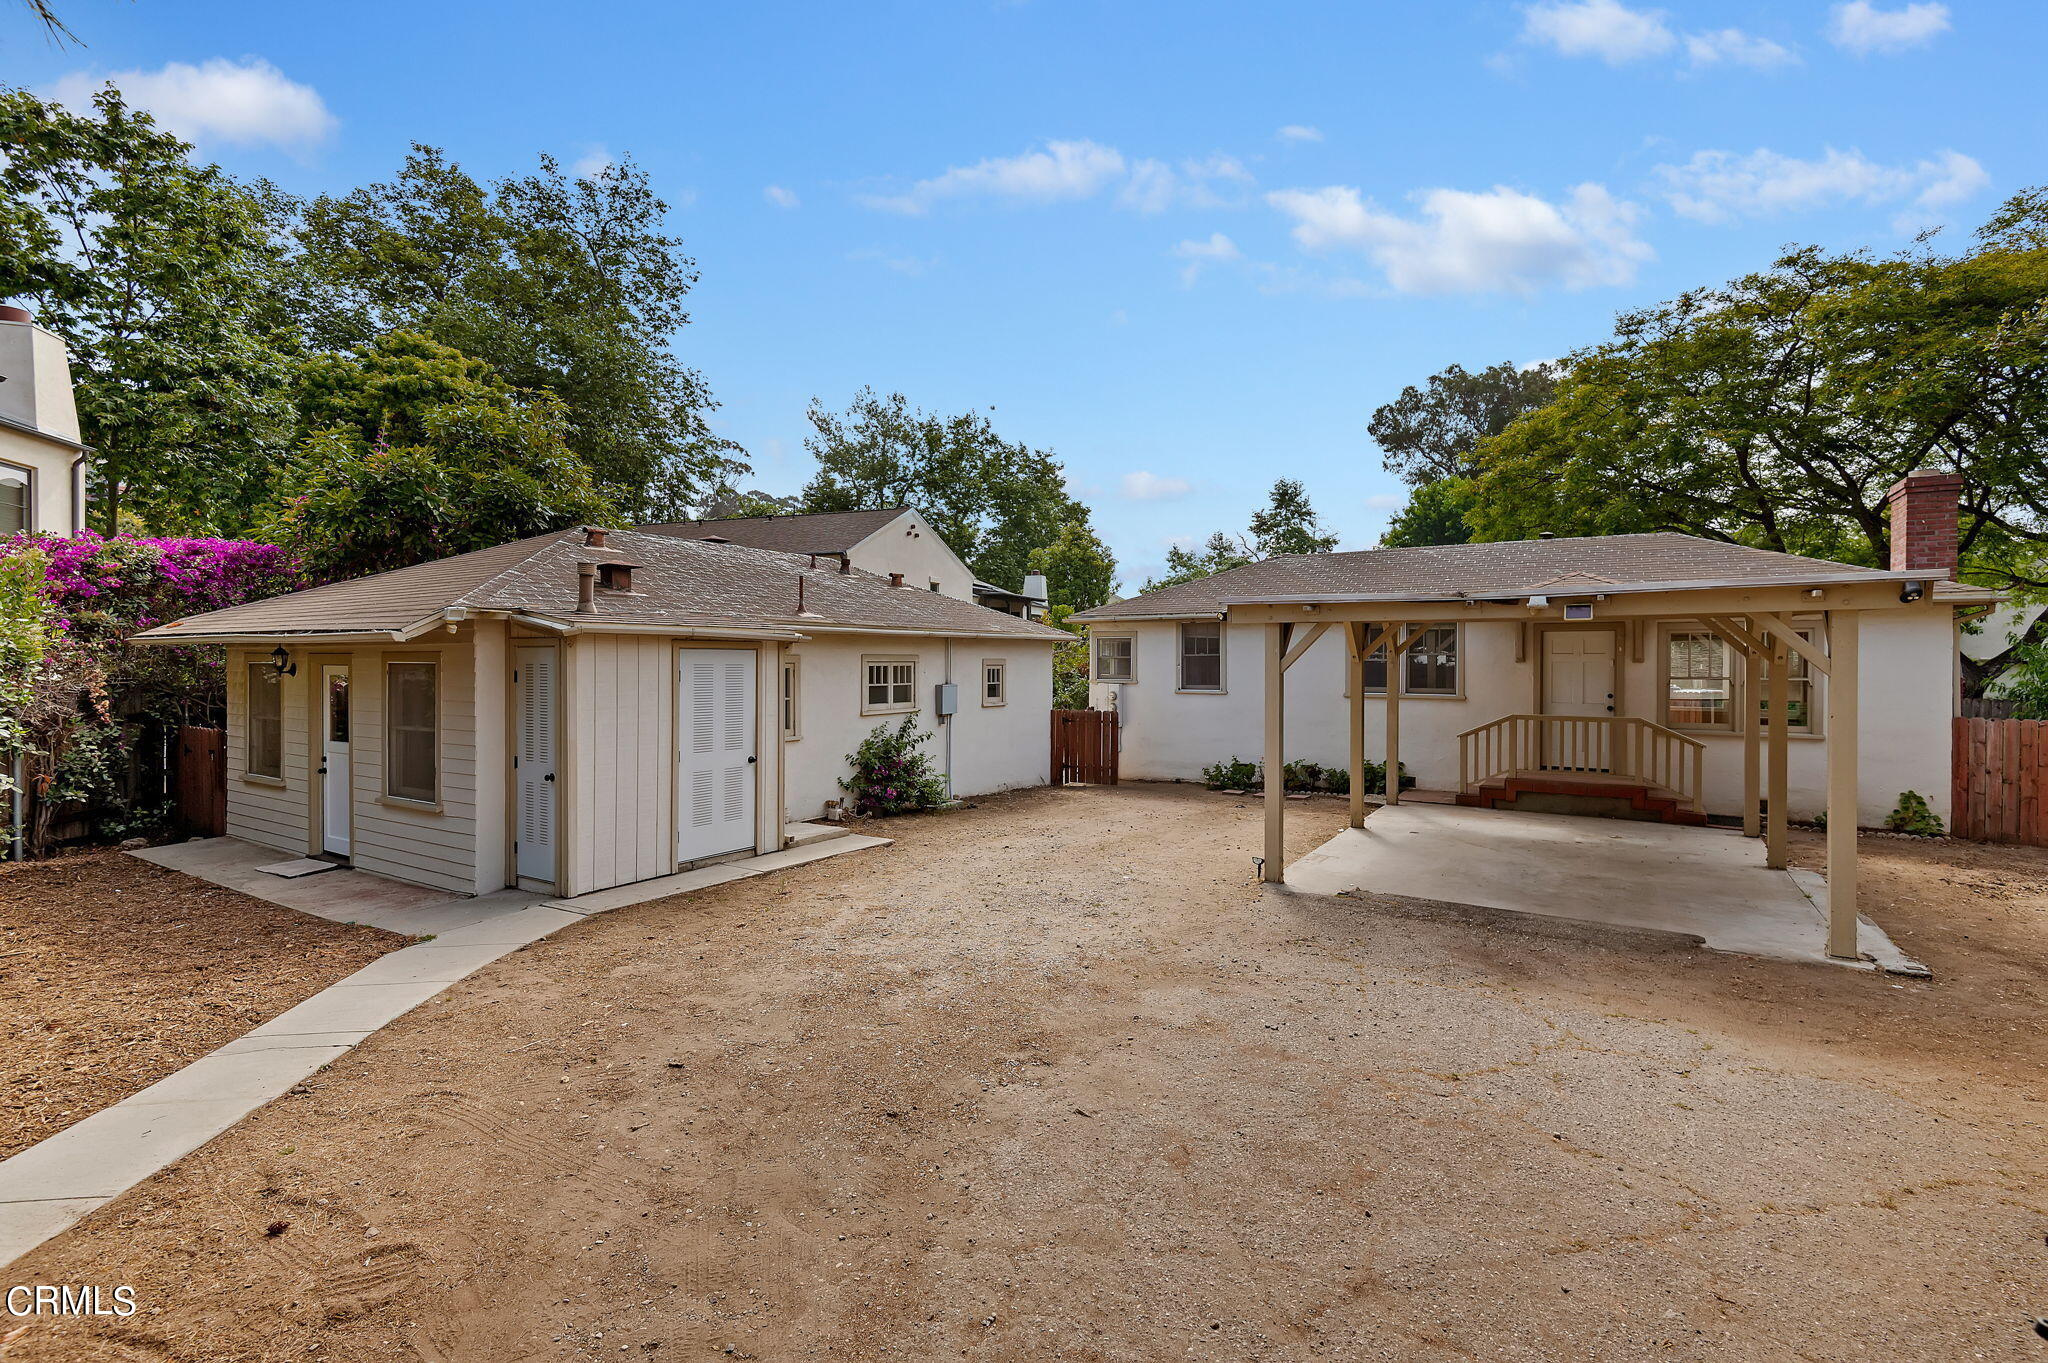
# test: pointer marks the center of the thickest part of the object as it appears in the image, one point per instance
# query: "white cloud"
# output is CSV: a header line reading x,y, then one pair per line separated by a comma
x,y
1150,487
250,103
1862,28
1154,186
1500,240
780,197
1597,28
592,163
1217,250
1721,186
1299,132
1733,46
1057,172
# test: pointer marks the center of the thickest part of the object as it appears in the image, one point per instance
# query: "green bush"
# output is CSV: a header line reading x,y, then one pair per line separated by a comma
x,y
1913,816
1231,774
1304,776
1337,780
890,775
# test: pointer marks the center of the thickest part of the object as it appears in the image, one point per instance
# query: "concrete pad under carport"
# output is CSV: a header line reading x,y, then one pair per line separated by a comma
x,y
1706,883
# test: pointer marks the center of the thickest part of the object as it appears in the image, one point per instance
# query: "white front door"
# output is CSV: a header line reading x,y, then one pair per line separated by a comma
x,y
715,744
533,680
334,769
1578,672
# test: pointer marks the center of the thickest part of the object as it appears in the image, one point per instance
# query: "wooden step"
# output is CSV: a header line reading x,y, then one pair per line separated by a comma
x,y
1643,801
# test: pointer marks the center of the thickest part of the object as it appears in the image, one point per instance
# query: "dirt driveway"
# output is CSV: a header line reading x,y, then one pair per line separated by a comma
x,y
1053,1079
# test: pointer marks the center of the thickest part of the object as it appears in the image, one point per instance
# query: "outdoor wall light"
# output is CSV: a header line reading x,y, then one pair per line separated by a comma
x,y
1909,592
282,661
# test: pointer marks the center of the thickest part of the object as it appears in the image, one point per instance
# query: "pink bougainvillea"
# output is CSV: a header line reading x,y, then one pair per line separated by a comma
x,y
122,583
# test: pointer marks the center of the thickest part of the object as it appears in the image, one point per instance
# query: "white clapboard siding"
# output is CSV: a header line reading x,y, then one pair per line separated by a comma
x,y
258,811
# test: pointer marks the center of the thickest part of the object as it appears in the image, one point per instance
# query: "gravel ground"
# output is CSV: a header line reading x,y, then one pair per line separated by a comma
x,y
114,973
1052,1079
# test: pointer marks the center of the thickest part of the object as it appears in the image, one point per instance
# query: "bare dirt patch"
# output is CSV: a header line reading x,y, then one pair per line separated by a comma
x,y
1054,1079
114,973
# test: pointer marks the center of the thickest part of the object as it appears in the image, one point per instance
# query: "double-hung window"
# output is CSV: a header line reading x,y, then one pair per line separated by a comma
x,y
1799,712
890,686
1201,656
17,500
1431,664
790,683
1113,658
1699,683
263,753
994,682
412,727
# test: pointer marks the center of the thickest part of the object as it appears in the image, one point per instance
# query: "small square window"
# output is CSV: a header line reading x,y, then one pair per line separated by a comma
x,y
1113,658
1432,663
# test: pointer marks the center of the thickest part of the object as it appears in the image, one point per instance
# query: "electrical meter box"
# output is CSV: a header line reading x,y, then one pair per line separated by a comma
x,y
945,698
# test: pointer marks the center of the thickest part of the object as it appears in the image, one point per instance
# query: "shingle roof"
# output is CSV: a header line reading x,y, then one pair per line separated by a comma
x,y
818,532
1508,568
678,583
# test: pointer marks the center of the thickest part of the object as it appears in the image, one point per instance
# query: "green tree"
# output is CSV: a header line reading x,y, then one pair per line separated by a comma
x,y
563,284
1080,571
993,500
1435,514
1428,433
416,452
1219,553
162,277
1288,524
728,503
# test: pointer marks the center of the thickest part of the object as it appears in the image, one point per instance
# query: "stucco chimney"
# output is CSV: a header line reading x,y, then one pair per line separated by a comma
x,y
1926,507
37,390
1034,586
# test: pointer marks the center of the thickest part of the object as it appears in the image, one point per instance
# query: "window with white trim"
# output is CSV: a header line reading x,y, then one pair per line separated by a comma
x,y
1799,711
1699,680
889,685
1115,658
1430,667
412,728
263,743
1201,655
17,500
994,682
791,682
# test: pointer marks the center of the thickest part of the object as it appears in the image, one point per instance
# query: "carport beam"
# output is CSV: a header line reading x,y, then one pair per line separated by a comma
x,y
1274,870
1841,685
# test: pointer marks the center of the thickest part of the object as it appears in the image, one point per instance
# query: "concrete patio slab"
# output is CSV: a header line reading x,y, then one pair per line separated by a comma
x,y
298,867
646,891
1710,884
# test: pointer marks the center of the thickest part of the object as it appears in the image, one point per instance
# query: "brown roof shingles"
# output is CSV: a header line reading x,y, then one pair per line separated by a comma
x,y
1508,568
817,532
678,583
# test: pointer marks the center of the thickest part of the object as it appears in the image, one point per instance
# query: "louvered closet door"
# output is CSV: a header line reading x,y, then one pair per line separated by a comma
x,y
715,735
534,715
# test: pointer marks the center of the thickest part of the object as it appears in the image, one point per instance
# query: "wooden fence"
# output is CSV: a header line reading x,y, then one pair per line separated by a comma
x,y
202,782
2000,775
1084,747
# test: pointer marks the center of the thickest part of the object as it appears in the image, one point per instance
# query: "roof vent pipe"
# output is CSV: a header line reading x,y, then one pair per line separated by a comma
x,y
845,564
586,588
593,536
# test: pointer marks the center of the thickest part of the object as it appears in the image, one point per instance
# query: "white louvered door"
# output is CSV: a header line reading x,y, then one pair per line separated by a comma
x,y
715,739
534,717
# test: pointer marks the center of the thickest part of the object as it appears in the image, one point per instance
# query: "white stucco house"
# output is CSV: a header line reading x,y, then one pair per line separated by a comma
x,y
587,708
1627,630
42,463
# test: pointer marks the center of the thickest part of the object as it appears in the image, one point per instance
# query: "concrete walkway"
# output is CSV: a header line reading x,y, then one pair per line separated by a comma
x,y
55,1183
1707,883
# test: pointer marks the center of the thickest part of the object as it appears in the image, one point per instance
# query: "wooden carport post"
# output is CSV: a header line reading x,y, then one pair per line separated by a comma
x,y
1752,741
1354,673
1841,736
1274,869
1781,749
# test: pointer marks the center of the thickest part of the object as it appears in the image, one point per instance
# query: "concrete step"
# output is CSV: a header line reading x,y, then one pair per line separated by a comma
x,y
804,834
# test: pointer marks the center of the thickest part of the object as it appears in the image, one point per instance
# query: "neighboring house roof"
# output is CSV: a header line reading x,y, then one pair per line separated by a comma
x,y
990,589
1449,572
818,532
679,584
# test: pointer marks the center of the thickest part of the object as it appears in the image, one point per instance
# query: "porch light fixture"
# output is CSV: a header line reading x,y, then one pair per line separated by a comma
x,y
282,663
1909,592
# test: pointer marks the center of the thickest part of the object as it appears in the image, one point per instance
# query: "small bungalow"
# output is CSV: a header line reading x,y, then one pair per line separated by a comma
x,y
591,708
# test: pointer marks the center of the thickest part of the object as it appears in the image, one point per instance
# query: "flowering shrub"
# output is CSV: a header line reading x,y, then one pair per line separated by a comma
x,y
890,775
75,689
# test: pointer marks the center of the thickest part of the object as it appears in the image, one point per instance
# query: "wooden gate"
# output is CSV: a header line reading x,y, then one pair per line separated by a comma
x,y
2000,777
1084,747
202,782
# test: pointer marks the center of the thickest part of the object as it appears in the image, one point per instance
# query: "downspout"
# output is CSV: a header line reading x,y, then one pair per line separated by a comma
x,y
947,720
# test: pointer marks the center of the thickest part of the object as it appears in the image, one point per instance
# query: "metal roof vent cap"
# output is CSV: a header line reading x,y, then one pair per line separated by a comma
x,y
1546,534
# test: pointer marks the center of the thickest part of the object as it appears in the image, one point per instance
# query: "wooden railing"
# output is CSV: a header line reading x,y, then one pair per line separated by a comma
x,y
1603,747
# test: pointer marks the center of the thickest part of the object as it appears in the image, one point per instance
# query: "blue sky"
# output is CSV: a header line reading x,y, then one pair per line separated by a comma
x,y
1188,247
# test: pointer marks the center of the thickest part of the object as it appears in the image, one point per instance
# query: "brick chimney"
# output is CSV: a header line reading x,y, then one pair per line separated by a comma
x,y
1926,507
